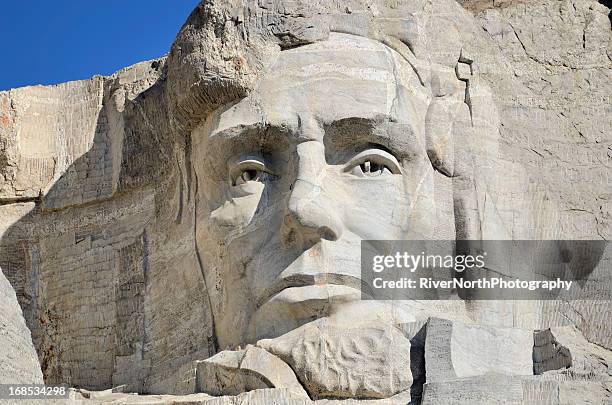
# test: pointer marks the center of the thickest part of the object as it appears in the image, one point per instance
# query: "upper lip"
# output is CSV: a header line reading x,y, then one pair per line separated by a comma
x,y
304,280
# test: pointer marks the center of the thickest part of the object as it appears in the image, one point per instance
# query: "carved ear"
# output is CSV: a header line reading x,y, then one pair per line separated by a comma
x,y
461,128
477,187
447,98
438,135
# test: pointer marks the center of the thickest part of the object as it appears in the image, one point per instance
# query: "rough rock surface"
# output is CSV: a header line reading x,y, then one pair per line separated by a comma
x,y
91,252
503,389
586,380
256,397
107,220
450,352
558,132
571,357
18,360
331,362
234,372
548,353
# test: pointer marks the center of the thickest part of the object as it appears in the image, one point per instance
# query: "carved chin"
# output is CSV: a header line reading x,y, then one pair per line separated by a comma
x,y
333,362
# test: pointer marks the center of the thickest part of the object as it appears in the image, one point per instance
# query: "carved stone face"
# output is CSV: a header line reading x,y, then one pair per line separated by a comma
x,y
327,151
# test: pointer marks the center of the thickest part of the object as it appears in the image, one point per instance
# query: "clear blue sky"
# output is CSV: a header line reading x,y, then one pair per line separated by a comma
x,y
54,41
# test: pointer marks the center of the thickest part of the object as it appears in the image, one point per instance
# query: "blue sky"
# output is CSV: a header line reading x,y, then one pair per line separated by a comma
x,y
47,42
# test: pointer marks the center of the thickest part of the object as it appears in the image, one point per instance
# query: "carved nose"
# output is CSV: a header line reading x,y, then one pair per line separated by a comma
x,y
310,212
310,215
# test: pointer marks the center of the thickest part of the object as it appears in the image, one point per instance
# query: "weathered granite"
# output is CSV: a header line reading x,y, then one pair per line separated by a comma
x,y
18,360
503,389
332,362
569,356
456,350
234,372
257,397
548,353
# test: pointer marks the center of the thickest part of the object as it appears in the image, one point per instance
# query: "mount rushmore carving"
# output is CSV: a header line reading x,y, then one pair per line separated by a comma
x,y
191,226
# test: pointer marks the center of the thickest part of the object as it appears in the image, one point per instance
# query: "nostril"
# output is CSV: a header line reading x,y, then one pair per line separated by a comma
x,y
311,214
290,238
326,233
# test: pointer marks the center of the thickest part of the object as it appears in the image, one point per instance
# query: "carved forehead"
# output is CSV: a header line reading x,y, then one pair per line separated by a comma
x,y
345,76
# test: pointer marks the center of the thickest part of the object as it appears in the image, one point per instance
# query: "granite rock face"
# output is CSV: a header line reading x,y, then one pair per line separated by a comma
x,y
450,352
549,353
331,362
234,372
155,222
18,359
486,373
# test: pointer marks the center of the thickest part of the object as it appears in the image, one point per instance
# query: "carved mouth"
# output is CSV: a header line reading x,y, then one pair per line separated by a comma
x,y
318,279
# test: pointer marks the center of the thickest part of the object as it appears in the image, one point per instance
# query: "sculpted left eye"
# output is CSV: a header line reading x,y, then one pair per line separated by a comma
x,y
371,168
373,162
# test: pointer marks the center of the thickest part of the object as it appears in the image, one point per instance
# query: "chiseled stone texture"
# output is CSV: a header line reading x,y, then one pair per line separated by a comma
x,y
451,350
267,396
516,390
88,259
550,75
18,360
548,353
586,380
573,358
234,372
332,362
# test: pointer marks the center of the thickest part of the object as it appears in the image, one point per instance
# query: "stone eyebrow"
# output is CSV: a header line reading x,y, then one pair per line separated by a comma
x,y
239,131
257,128
357,129
382,131
238,138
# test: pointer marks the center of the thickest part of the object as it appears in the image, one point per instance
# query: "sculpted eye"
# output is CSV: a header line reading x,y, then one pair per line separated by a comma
x,y
370,168
246,170
372,163
247,175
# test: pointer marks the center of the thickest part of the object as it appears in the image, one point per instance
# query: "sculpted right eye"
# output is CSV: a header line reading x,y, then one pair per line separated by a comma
x,y
247,175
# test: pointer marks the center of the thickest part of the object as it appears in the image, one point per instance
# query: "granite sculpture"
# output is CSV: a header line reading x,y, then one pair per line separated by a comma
x,y
189,228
